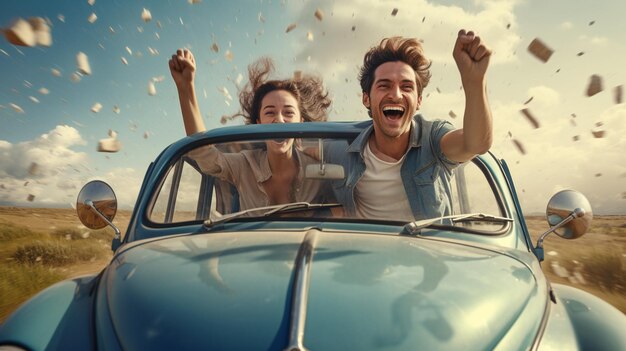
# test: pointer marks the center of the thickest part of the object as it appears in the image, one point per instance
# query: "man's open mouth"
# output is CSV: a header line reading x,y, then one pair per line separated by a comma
x,y
393,112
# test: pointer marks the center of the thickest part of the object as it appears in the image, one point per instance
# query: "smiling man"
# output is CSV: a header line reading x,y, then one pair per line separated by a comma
x,y
400,167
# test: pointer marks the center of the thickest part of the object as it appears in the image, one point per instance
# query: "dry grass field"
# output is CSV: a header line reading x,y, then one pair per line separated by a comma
x,y
40,246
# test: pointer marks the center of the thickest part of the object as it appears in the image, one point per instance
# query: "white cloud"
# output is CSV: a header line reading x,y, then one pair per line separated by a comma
x,y
337,51
544,96
345,47
595,40
51,152
59,171
554,161
125,182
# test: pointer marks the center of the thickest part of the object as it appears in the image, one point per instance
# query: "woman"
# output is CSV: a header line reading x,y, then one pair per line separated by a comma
x,y
269,176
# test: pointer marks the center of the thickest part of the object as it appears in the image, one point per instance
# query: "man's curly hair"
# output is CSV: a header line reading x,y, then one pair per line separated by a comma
x,y
407,50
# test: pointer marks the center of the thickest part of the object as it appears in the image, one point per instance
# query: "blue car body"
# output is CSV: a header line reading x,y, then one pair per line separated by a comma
x,y
232,287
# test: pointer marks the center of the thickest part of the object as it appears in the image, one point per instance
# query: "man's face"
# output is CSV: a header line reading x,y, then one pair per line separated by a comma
x,y
393,98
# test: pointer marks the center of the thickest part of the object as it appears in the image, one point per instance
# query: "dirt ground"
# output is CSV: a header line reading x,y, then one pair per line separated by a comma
x,y
563,263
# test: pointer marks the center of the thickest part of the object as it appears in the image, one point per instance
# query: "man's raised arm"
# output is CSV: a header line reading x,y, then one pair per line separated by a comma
x,y
472,59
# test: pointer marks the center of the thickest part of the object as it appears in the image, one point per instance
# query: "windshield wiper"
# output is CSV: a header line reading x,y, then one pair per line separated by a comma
x,y
414,228
270,210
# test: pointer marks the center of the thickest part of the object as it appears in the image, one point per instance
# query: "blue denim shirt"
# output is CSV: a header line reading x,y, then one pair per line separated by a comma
x,y
425,172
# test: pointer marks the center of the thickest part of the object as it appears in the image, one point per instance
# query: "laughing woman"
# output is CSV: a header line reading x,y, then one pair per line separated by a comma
x,y
274,174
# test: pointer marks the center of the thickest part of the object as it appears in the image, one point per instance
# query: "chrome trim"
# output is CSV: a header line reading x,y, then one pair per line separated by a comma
x,y
544,319
300,292
118,234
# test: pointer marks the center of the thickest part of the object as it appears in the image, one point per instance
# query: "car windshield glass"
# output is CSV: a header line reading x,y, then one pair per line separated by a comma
x,y
313,178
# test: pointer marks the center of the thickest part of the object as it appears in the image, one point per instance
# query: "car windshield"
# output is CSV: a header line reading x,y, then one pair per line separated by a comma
x,y
307,178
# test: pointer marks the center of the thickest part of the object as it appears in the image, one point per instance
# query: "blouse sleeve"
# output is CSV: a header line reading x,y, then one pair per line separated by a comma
x,y
217,163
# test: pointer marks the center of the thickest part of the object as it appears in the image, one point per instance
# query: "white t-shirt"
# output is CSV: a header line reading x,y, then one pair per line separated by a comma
x,y
380,193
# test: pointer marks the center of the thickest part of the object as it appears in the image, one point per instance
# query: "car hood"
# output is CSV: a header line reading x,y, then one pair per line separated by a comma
x,y
366,292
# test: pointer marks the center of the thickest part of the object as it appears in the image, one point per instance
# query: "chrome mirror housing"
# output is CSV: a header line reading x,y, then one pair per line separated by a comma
x,y
569,215
96,196
96,207
561,205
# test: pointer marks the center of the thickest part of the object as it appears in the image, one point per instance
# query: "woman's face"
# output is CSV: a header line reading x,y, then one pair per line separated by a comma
x,y
279,106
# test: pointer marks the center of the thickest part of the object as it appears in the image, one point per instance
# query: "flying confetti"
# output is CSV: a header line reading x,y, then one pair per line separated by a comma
x,y
595,85
228,55
41,30
519,146
225,92
21,33
598,134
96,107
109,145
319,14
540,50
33,169
146,16
16,108
33,32
124,61
394,12
151,88
55,72
291,27
92,18
530,117
82,62
452,114
76,77
44,91
618,94
309,36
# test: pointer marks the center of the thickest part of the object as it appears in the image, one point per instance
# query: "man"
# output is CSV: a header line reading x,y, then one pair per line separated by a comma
x,y
400,166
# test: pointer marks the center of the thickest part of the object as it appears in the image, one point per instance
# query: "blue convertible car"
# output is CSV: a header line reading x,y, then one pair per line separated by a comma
x,y
199,269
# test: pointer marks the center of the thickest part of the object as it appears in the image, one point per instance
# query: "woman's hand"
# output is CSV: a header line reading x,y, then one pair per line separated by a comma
x,y
183,67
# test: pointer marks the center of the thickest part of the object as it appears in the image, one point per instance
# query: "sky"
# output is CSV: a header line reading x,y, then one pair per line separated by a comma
x,y
57,130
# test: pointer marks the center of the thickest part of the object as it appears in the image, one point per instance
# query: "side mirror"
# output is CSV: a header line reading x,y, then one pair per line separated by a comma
x,y
561,205
569,215
323,170
96,207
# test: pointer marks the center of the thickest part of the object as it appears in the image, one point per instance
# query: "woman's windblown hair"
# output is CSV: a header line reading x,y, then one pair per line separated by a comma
x,y
313,100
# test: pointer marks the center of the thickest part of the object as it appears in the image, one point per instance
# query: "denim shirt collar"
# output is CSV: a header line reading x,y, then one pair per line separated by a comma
x,y
415,137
